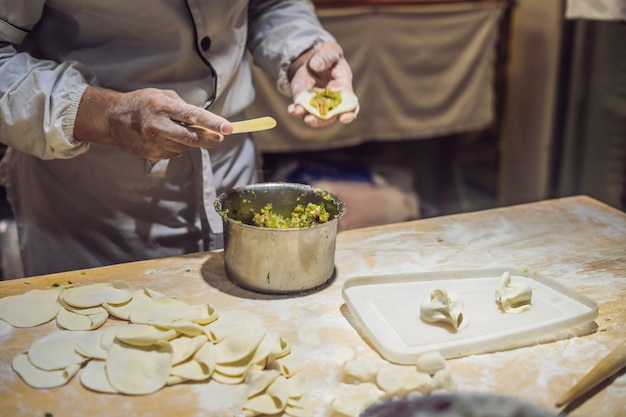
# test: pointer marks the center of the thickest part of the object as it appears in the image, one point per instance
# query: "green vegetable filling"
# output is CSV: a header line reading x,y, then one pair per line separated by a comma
x,y
300,217
325,101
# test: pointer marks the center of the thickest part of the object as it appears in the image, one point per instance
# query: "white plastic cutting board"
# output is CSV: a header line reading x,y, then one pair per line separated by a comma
x,y
387,311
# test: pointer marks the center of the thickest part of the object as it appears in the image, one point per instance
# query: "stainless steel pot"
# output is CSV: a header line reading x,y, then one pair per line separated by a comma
x,y
274,261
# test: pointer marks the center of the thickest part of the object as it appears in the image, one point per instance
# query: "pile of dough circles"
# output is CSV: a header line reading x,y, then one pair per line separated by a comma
x,y
163,341
367,381
349,102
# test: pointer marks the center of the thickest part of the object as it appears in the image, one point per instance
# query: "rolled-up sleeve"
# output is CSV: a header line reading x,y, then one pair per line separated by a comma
x,y
38,98
279,31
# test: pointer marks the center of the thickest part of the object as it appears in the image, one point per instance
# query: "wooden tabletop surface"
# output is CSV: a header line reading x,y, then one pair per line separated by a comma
x,y
576,241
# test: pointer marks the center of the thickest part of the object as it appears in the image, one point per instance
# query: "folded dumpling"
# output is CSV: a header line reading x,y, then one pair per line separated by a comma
x,y
444,306
513,298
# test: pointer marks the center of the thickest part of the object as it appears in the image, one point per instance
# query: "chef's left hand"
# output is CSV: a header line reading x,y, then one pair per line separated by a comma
x,y
322,66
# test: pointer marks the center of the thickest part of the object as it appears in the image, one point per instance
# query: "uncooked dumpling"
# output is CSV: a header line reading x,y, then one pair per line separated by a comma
x,y
513,298
444,306
333,102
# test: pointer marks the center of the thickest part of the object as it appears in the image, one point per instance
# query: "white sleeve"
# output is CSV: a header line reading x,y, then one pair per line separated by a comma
x,y
279,32
38,98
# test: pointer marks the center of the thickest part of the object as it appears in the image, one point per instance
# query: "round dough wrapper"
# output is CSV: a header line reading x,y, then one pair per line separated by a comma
x,y
239,346
230,322
91,295
351,400
443,380
205,356
343,354
93,376
279,391
108,336
262,404
234,370
56,351
139,370
140,297
30,309
183,326
5,328
259,379
191,370
398,381
273,400
143,334
229,380
173,309
298,386
184,347
38,378
200,367
84,311
71,320
349,101
362,369
292,363
89,345
299,410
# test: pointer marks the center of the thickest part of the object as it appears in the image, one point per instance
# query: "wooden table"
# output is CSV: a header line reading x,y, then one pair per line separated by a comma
x,y
577,241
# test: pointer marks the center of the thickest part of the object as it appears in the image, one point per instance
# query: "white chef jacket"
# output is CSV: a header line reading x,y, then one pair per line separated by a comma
x,y
80,205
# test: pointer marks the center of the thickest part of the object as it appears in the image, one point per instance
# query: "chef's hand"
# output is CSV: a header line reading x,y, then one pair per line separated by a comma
x,y
149,123
322,66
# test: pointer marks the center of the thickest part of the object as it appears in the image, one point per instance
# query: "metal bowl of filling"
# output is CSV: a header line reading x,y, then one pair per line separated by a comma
x,y
279,237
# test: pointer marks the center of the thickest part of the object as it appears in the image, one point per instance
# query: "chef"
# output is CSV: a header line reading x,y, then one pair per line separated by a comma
x,y
96,99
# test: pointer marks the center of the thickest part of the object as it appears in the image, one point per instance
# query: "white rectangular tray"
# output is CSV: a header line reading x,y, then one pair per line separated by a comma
x,y
387,311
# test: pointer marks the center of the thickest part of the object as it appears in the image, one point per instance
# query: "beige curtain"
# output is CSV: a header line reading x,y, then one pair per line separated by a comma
x,y
419,70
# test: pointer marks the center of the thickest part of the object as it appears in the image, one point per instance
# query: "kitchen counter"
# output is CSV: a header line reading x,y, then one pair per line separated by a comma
x,y
576,241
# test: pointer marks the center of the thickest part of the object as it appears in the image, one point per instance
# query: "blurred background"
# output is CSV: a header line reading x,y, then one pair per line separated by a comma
x,y
465,105
469,104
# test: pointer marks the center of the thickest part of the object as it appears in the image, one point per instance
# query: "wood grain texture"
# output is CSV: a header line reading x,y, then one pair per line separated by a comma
x,y
577,241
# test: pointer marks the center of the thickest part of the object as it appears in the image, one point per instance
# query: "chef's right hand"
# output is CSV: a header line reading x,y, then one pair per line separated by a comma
x,y
149,123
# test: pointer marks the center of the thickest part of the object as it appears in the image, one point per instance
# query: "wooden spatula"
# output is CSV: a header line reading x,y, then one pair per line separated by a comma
x,y
245,126
608,366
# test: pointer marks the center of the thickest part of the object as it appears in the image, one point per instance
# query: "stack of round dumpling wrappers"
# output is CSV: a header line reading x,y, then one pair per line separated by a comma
x,y
164,342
